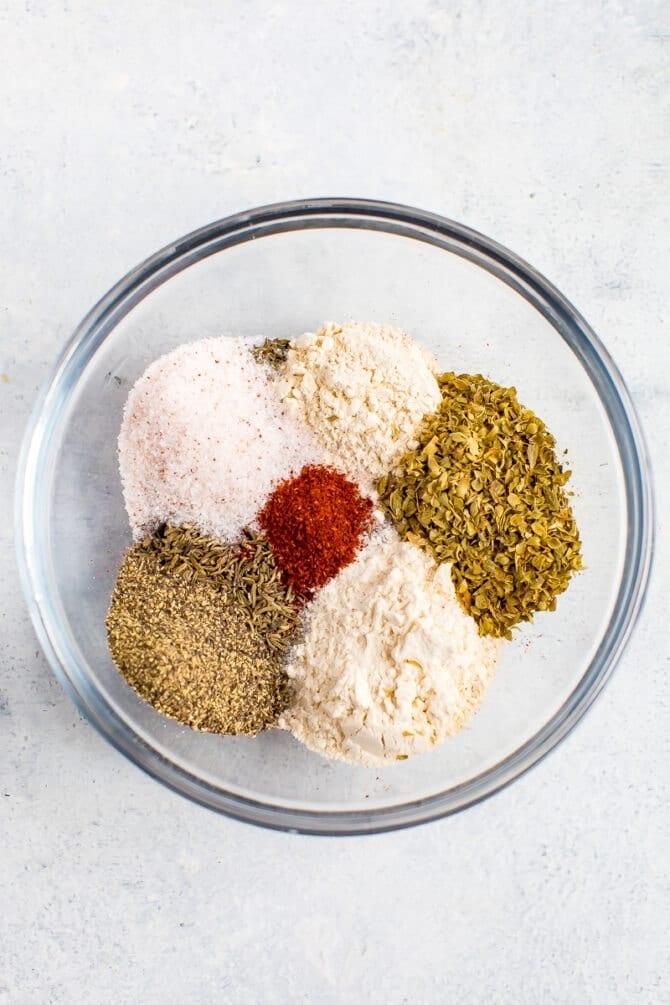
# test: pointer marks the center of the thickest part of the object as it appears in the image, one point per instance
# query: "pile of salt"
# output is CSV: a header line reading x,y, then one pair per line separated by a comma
x,y
205,439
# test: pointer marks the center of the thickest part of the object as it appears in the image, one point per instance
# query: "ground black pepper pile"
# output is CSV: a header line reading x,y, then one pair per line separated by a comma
x,y
193,641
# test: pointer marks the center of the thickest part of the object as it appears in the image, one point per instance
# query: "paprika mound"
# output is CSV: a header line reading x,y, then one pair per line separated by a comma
x,y
315,525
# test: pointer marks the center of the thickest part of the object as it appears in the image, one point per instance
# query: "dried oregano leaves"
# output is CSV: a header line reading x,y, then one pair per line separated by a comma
x,y
200,629
484,491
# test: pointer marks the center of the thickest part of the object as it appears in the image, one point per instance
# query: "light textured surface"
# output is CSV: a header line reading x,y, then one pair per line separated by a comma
x,y
125,125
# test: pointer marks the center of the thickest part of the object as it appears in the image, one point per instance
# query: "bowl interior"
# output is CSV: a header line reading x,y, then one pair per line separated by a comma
x,y
282,284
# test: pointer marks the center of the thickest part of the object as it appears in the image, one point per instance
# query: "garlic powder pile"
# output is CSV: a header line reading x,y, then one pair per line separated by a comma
x,y
205,439
363,390
390,664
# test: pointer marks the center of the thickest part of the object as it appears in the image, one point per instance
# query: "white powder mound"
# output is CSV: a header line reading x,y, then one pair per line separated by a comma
x,y
205,439
363,389
390,664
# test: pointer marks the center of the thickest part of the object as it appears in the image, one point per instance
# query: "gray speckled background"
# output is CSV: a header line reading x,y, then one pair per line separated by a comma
x,y
124,125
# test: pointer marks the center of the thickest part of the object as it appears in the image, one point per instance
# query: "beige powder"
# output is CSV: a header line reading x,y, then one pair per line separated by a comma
x,y
363,390
390,664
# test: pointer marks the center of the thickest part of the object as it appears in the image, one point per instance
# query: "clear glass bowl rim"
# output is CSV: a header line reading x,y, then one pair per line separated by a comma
x,y
400,221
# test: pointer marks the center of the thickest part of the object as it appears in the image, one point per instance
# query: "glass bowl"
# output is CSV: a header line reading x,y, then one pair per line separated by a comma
x,y
282,270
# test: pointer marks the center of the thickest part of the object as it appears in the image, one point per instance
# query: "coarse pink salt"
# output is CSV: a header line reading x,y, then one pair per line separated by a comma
x,y
205,439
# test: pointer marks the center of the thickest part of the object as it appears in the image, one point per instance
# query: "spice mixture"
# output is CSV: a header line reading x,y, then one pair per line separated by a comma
x,y
264,587
315,524
484,491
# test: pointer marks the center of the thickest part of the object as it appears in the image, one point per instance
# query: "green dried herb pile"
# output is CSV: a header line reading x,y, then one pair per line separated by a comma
x,y
485,491
200,629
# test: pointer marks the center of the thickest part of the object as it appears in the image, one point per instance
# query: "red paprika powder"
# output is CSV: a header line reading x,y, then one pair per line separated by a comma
x,y
315,525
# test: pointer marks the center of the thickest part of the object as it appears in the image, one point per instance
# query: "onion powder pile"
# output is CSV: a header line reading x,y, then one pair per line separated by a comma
x,y
362,389
390,664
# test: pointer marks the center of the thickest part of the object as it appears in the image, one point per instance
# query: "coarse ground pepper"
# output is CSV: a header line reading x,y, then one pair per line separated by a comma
x,y
195,638
315,524
246,574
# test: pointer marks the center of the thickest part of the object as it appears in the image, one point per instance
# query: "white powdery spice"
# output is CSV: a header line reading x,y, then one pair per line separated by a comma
x,y
390,664
205,439
363,389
